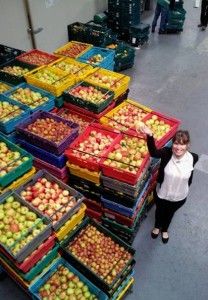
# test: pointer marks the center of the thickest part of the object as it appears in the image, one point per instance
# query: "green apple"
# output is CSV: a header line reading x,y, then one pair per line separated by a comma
x,y
10,199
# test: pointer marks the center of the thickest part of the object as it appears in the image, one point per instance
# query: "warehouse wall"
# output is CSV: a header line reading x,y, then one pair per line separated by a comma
x,y
52,15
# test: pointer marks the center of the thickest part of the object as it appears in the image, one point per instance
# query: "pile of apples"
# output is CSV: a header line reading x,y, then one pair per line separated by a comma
x,y
67,115
73,50
9,159
15,70
50,129
49,77
126,117
107,80
67,67
8,111
95,59
38,58
28,97
49,198
89,93
3,87
128,155
93,146
99,253
65,285
18,224
158,126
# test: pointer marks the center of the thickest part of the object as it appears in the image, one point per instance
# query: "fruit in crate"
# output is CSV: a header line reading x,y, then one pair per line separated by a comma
x,y
107,80
49,77
67,67
64,284
15,70
37,58
18,224
9,160
92,147
95,59
49,198
8,111
3,87
89,93
158,126
28,97
50,129
67,115
126,117
128,155
100,253
73,50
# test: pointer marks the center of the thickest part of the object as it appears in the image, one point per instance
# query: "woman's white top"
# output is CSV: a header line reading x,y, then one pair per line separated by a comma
x,y
176,176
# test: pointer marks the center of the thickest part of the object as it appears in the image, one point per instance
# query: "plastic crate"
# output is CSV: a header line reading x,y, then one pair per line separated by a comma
x,y
4,87
78,197
107,56
52,159
87,104
37,57
120,99
42,142
85,269
26,250
124,289
84,173
96,215
89,113
77,31
93,165
19,170
8,53
60,51
47,105
14,79
71,223
57,172
9,126
119,86
94,205
56,86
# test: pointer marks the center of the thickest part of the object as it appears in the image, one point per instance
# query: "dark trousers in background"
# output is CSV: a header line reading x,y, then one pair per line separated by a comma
x,y
204,13
165,211
163,11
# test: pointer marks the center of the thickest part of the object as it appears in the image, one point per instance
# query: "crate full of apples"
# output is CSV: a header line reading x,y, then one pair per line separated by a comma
x,y
50,79
89,148
125,116
89,96
37,57
11,113
23,228
48,131
98,253
31,96
126,159
73,49
4,87
118,83
65,282
51,197
14,162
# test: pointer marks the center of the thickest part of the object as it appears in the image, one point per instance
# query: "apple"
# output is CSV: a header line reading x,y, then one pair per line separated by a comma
x,y
4,87
73,49
38,58
158,126
109,81
15,70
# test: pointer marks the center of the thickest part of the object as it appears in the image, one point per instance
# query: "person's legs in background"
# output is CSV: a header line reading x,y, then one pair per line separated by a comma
x,y
156,16
204,15
164,19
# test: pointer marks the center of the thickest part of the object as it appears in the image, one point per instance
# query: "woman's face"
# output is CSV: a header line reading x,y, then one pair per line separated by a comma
x,y
179,149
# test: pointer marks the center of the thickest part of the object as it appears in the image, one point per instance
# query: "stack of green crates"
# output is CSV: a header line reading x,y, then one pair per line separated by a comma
x,y
176,18
139,34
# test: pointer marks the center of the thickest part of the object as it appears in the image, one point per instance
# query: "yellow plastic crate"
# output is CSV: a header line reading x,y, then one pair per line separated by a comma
x,y
83,71
57,87
84,173
70,45
70,225
125,290
121,79
20,181
109,116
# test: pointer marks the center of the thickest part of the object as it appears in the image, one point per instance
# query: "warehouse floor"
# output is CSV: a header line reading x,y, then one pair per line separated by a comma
x,y
170,75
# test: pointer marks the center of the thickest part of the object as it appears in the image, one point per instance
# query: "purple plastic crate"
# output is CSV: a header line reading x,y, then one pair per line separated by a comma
x,y
43,143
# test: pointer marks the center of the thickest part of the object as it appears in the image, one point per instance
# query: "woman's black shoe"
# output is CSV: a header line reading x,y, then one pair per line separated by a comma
x,y
165,239
154,235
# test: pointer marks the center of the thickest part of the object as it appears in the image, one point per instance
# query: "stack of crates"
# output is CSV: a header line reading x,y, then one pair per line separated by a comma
x,y
139,34
176,18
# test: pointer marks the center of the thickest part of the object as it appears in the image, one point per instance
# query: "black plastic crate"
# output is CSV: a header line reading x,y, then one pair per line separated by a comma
x,y
77,32
8,53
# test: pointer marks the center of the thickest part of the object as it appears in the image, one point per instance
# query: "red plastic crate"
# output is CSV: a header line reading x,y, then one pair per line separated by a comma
x,y
48,58
87,112
84,163
94,214
93,205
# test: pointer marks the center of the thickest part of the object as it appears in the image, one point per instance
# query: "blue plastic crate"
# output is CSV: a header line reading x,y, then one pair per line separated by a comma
x,y
34,288
46,106
9,126
55,160
10,137
107,54
121,209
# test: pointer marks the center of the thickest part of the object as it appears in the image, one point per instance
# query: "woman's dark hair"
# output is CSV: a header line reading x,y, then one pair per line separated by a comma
x,y
182,137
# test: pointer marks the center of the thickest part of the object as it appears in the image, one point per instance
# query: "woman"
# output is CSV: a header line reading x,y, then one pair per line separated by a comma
x,y
174,178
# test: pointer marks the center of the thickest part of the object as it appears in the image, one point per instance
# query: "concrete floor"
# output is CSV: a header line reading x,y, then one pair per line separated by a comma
x,y
170,75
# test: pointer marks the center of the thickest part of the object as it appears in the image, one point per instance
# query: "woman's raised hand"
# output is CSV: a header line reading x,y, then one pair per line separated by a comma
x,y
141,127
